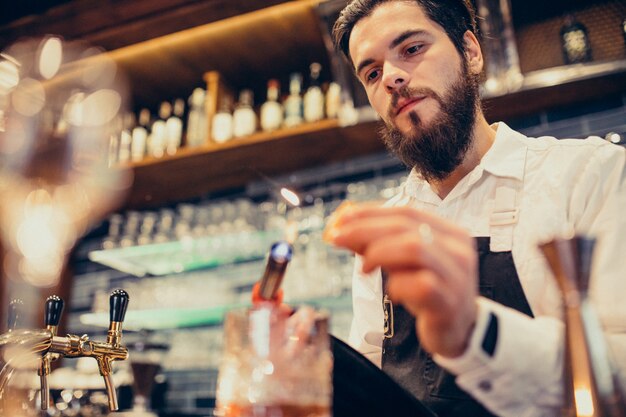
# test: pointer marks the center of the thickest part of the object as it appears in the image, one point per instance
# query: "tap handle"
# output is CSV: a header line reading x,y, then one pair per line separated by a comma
x,y
53,310
118,303
16,307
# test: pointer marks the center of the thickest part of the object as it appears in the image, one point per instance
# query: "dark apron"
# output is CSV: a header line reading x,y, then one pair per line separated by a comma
x,y
413,368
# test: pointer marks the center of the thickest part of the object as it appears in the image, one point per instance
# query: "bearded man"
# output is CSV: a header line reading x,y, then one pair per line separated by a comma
x,y
466,315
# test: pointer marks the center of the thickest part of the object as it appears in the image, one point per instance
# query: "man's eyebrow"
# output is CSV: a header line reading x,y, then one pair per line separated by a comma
x,y
404,36
364,64
395,42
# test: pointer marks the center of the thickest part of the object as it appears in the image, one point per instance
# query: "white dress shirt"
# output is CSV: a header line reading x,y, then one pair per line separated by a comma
x,y
565,186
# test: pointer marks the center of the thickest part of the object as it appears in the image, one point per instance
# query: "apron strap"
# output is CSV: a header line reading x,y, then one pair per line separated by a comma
x,y
505,214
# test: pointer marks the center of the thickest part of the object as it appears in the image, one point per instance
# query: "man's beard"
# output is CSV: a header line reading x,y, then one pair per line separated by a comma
x,y
437,149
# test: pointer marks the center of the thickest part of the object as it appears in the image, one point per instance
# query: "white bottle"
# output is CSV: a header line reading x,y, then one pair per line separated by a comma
x,y
314,97
222,122
293,103
333,100
271,110
244,117
174,127
140,137
125,138
197,127
114,141
157,140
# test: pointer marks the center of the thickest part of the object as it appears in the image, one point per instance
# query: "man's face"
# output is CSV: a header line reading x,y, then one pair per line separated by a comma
x,y
415,79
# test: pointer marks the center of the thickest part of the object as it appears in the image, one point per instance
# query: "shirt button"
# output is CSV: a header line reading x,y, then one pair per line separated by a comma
x,y
485,386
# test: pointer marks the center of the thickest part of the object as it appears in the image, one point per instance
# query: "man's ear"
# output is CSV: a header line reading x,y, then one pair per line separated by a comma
x,y
473,53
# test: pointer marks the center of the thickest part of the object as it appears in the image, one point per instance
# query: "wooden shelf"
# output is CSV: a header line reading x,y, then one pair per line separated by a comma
x,y
247,49
196,171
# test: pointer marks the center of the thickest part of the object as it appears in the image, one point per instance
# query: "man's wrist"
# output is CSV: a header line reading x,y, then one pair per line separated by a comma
x,y
472,356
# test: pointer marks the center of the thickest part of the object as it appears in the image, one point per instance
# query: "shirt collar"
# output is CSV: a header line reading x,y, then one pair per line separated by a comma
x,y
507,156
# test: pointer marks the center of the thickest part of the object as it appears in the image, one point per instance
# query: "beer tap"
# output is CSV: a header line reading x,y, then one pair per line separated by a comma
x,y
592,387
19,347
72,346
52,316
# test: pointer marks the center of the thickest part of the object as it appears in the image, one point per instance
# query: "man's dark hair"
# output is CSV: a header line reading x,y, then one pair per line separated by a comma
x,y
454,16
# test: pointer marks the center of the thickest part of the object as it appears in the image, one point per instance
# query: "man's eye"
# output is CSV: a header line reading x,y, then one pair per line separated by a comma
x,y
413,49
372,75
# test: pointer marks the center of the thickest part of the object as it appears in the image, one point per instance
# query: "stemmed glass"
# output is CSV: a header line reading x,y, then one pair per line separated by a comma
x,y
146,359
61,103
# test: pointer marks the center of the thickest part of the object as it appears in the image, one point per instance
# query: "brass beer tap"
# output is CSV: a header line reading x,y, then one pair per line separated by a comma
x,y
72,346
592,387
52,316
47,346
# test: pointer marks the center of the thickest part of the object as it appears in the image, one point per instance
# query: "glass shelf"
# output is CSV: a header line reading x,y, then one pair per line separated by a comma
x,y
187,254
161,319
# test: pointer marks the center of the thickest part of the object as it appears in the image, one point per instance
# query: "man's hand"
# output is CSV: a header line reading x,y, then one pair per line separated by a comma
x,y
431,265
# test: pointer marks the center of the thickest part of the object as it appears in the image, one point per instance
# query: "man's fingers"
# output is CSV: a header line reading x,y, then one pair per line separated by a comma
x,y
409,251
417,291
404,214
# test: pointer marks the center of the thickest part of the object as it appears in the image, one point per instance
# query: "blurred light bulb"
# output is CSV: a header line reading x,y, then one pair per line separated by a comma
x,y
9,74
613,137
291,197
50,57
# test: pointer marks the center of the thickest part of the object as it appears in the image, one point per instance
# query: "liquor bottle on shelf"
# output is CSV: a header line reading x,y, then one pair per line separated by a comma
x,y
575,41
333,100
314,97
140,136
197,127
222,123
114,142
293,103
125,138
157,140
244,117
174,127
271,110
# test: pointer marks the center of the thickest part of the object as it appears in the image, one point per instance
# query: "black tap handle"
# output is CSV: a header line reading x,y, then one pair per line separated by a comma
x,y
53,310
119,304
15,311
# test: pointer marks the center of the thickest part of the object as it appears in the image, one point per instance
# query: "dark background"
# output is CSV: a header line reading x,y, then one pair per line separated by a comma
x,y
524,11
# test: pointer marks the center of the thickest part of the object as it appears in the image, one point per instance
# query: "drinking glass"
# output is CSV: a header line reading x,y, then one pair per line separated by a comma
x,y
145,361
275,364
62,101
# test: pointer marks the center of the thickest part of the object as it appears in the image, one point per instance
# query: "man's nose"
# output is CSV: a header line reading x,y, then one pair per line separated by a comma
x,y
394,77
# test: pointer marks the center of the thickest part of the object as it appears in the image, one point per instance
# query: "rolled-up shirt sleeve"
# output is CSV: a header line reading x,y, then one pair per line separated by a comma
x,y
526,364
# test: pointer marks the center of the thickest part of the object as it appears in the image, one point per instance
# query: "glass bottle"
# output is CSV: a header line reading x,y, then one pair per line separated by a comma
x,y
502,68
140,136
271,110
157,140
314,97
333,100
575,41
125,138
174,127
222,122
114,142
244,117
197,129
293,103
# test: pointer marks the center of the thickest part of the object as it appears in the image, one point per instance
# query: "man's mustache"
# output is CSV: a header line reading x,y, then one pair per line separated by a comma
x,y
406,92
